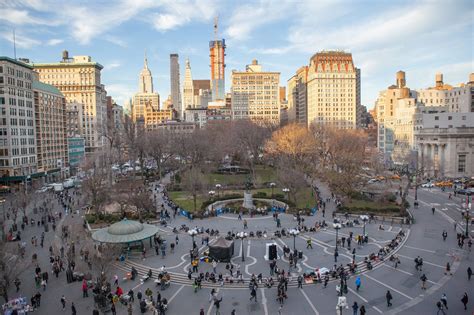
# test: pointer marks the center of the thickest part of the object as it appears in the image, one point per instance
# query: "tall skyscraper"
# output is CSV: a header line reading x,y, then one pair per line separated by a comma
x,y
297,96
255,94
175,87
188,89
333,90
217,54
145,96
78,79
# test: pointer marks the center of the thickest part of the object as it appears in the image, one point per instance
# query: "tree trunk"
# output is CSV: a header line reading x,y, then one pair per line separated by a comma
x,y
195,201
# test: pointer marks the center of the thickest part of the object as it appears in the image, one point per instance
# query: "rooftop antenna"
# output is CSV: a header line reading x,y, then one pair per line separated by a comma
x,y
14,44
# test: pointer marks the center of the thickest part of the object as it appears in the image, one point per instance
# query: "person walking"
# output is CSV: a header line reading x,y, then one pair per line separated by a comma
x,y
300,282
440,307
469,273
309,243
63,302
335,256
73,309
389,298
357,283
84,289
444,300
423,279
113,309
355,308
253,294
362,310
245,224
465,300
445,235
214,266
448,269
217,305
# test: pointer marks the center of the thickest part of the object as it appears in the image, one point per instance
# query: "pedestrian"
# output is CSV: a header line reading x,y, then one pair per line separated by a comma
x,y
389,298
423,279
73,309
212,295
63,302
113,309
362,310
469,274
445,235
335,255
201,312
448,269
465,300
355,308
245,224
253,294
176,240
444,300
300,282
116,280
217,305
357,283
309,243
214,266
84,289
440,307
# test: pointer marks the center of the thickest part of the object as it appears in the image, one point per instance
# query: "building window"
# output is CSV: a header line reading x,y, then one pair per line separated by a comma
x,y
461,163
436,117
450,117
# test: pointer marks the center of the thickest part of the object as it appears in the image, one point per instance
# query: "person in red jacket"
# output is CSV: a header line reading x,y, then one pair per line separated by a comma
x,y
84,289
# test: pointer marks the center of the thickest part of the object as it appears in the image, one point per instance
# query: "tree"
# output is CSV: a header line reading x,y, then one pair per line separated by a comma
x,y
290,178
140,198
160,148
193,182
12,264
93,184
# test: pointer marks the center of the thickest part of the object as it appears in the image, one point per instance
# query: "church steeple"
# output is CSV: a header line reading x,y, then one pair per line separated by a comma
x,y
146,79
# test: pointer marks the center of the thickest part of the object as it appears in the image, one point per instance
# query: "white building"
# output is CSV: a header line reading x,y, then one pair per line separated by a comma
x,y
17,120
174,79
188,89
255,94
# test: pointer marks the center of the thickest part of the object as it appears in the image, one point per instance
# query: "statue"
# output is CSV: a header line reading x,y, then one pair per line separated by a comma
x,y
248,183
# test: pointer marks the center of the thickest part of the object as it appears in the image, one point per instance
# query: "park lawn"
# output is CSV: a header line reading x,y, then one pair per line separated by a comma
x,y
364,206
185,200
263,174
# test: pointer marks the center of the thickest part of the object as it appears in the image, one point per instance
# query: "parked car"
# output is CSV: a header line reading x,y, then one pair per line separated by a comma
x,y
427,185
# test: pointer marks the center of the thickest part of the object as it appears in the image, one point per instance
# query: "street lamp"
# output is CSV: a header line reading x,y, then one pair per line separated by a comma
x,y
192,233
467,217
294,233
211,193
287,191
364,218
242,236
336,226
272,186
218,188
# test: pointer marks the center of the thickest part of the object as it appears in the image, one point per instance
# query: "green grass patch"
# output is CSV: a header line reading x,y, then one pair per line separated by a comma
x,y
369,207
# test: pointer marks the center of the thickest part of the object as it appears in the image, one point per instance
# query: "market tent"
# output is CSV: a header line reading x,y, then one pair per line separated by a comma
x,y
221,250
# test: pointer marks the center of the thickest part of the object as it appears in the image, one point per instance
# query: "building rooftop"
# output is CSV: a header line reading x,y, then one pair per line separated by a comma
x,y
37,85
17,62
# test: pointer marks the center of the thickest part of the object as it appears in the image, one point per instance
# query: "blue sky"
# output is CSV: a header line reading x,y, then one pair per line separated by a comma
x,y
419,37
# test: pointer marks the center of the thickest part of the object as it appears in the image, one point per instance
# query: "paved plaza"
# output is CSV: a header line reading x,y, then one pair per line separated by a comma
x,y
423,238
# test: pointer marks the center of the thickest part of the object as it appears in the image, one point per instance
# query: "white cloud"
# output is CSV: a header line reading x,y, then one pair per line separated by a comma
x,y
177,13
54,41
21,40
113,65
120,92
115,40
23,17
246,18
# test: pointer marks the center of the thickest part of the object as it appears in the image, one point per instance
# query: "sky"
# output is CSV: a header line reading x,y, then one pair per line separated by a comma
x,y
418,37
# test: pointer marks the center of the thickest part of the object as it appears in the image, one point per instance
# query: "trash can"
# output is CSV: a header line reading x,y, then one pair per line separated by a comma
x,y
300,254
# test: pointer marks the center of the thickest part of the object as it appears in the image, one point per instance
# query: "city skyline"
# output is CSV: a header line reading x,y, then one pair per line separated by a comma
x,y
383,38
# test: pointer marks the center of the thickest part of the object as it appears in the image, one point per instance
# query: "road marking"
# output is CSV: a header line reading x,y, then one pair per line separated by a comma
x,y
212,303
435,204
175,294
363,299
405,272
309,302
424,261
425,250
387,286
264,301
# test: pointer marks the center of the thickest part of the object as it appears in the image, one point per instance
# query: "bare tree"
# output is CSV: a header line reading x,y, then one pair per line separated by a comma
x,y
194,183
12,264
290,178
93,184
160,144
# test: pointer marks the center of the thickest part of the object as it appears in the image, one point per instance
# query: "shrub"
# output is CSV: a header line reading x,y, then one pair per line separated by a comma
x,y
261,194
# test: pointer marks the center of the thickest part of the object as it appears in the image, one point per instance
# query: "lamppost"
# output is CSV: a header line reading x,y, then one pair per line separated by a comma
x,y
218,188
467,217
242,236
192,233
211,193
364,218
294,233
336,226
272,186
287,191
